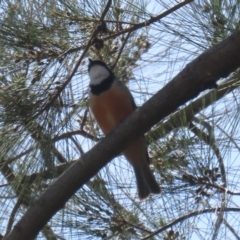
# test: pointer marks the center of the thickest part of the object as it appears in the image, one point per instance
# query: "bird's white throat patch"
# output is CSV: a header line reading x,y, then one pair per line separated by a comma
x,y
97,74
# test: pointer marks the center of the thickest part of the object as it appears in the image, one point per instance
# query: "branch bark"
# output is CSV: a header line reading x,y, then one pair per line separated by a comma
x,y
201,74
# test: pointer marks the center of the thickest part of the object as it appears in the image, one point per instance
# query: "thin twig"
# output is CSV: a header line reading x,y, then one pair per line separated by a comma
x,y
10,160
120,51
135,226
149,21
58,155
211,142
78,132
204,124
77,145
48,174
84,119
210,184
231,229
184,217
132,225
229,136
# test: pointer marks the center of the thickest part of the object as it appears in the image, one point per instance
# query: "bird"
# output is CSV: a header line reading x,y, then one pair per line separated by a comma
x,y
111,102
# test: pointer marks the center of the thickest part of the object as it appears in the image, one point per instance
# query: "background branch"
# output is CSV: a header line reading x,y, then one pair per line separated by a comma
x,y
180,219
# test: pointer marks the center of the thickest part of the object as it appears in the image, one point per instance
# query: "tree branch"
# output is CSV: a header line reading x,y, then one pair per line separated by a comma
x,y
135,26
149,21
120,51
192,109
192,214
77,132
199,75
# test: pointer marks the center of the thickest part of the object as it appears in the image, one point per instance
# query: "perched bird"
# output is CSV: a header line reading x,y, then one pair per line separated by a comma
x,y
110,103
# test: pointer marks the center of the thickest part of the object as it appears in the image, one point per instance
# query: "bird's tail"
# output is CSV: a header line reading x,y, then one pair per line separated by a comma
x,y
146,182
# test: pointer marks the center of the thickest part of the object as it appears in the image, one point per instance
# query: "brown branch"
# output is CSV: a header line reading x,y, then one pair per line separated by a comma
x,y
58,155
4,185
77,145
184,217
10,160
199,75
135,26
149,21
105,10
78,132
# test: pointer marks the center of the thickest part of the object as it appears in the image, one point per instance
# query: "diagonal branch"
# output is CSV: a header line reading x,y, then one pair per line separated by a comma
x,y
135,26
149,21
105,10
120,51
191,214
199,75
77,132
232,230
